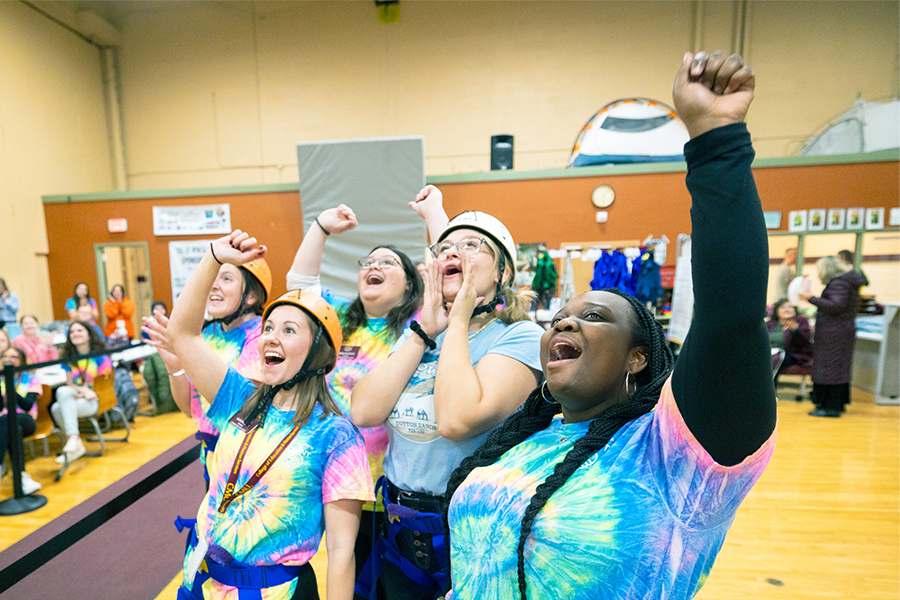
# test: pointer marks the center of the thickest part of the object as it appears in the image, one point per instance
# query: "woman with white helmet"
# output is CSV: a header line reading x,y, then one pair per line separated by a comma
x,y
287,465
451,379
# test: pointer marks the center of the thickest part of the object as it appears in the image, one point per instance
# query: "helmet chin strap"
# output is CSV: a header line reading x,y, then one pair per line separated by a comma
x,y
498,295
242,308
262,407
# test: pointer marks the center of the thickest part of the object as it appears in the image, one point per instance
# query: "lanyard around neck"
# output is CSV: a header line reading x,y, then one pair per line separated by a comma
x,y
230,495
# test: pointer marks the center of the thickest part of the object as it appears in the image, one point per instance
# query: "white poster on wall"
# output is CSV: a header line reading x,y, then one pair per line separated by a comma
x,y
183,260
192,220
682,293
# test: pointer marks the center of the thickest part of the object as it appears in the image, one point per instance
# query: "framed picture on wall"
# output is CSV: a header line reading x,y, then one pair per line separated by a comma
x,y
875,218
894,218
835,219
817,219
855,218
797,220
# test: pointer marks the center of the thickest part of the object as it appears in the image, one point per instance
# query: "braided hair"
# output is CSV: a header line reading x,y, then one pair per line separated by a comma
x,y
539,409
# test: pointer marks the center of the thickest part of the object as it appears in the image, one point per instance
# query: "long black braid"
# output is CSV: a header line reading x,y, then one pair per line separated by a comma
x,y
539,410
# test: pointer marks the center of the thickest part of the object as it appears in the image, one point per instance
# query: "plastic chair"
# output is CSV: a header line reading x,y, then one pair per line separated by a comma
x,y
44,426
803,372
109,408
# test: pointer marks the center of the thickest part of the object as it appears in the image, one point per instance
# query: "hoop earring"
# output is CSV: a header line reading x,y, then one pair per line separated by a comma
x,y
628,381
544,396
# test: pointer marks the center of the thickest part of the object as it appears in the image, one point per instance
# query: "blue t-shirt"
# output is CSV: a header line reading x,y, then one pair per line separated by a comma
x,y
418,459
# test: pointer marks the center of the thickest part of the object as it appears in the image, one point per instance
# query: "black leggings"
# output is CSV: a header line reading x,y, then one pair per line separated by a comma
x,y
26,428
307,588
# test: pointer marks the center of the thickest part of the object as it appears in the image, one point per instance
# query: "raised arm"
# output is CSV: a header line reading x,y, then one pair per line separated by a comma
x,y
202,364
723,377
429,204
157,329
304,271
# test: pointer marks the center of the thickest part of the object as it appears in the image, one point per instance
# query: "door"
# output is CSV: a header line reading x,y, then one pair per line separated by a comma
x,y
127,263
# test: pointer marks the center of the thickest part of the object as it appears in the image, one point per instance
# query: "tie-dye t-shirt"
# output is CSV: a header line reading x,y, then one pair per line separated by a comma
x,y
644,517
85,370
26,383
236,348
280,519
365,349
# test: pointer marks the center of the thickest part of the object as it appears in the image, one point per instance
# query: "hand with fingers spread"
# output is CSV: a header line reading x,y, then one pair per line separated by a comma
x,y
237,248
466,298
712,90
434,314
338,219
157,329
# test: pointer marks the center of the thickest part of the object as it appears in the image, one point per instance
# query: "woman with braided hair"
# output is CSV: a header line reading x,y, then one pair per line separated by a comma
x,y
631,493
287,466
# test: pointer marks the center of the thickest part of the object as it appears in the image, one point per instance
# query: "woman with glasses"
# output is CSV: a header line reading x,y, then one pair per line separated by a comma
x,y
457,373
390,295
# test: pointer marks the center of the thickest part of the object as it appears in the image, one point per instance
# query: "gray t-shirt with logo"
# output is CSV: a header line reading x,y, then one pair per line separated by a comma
x,y
418,459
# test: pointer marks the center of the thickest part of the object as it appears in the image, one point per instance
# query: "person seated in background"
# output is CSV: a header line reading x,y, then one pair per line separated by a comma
x,y
9,304
5,344
118,308
38,347
26,390
81,296
77,398
85,315
790,332
155,375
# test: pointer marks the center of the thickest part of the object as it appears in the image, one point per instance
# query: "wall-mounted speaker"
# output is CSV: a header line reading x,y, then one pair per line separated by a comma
x,y
501,152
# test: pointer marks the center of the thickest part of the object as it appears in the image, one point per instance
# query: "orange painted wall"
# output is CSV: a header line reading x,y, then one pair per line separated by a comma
x,y
73,229
543,210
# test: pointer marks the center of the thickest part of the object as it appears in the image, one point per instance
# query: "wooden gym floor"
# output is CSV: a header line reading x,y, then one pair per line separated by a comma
x,y
822,523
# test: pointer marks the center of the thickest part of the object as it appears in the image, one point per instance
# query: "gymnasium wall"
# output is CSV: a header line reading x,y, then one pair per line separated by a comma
x,y
552,210
52,139
218,93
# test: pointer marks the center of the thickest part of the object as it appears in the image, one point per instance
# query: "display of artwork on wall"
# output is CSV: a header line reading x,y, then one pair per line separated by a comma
x,y
875,218
855,218
817,219
797,220
836,219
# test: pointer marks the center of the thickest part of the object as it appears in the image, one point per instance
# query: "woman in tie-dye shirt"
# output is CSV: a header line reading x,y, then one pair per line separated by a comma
x,y
235,303
287,467
390,296
631,493
77,398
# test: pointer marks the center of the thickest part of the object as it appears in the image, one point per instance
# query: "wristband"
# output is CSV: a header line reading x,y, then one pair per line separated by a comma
x,y
414,325
176,373
213,252
325,231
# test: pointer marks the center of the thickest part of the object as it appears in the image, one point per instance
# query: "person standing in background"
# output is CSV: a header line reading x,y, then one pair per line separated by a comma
x,y
835,336
849,260
785,273
9,304
118,308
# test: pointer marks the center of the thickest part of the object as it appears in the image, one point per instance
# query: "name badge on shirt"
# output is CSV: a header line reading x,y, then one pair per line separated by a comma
x,y
348,353
238,422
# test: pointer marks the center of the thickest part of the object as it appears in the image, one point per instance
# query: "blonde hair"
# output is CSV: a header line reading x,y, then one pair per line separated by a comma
x,y
516,301
308,391
829,267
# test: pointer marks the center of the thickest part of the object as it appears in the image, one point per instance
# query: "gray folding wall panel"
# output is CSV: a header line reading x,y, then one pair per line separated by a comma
x,y
377,178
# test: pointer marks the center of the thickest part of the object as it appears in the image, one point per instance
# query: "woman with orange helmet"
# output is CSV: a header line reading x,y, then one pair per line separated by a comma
x,y
287,467
235,303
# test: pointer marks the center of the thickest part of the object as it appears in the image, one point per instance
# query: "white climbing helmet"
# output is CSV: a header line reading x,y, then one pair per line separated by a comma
x,y
485,223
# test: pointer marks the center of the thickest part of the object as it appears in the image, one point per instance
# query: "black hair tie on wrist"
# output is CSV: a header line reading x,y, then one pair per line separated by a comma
x,y
414,325
325,231
213,252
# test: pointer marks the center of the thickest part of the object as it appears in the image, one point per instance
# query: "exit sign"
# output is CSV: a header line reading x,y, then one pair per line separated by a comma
x,y
117,225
